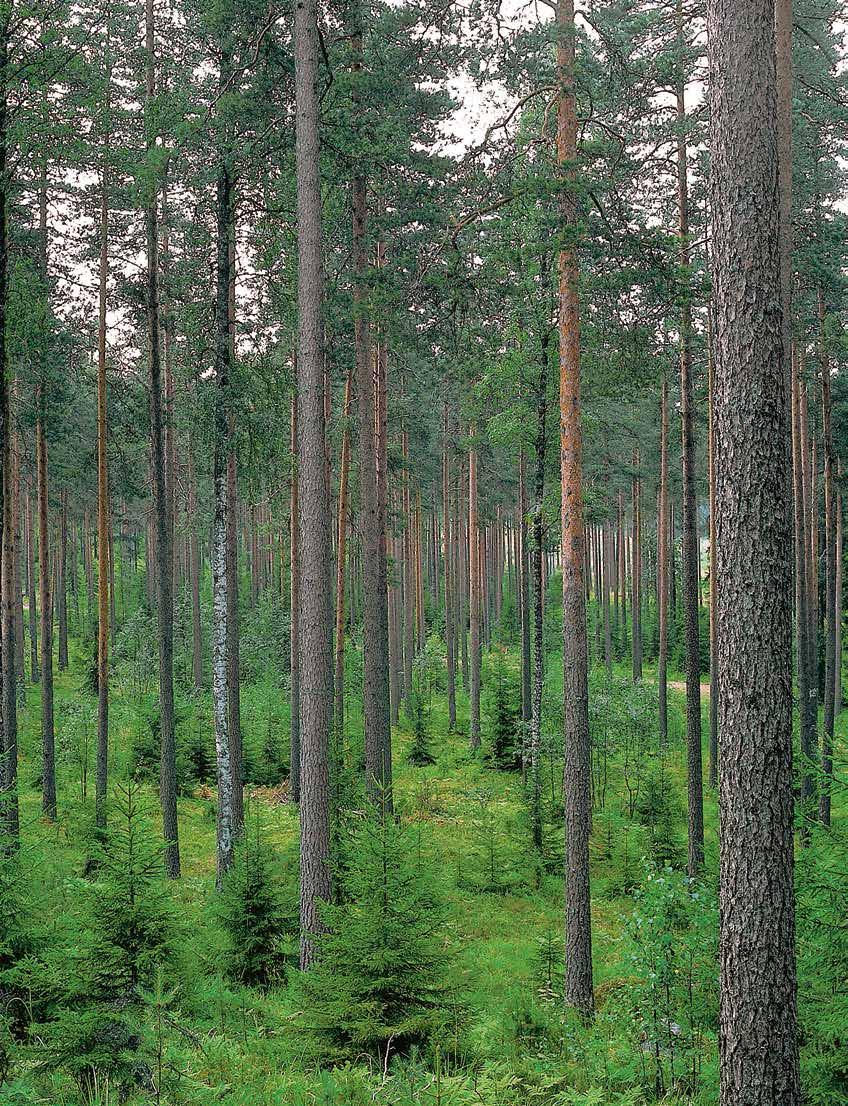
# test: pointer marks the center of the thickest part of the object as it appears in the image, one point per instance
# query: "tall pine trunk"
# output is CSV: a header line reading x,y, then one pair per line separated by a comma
x,y
473,595
577,778
102,762
48,741
523,576
375,685
8,699
690,554
61,583
758,1046
161,505
538,591
830,613
662,565
714,680
294,605
341,568
636,571
447,522
313,517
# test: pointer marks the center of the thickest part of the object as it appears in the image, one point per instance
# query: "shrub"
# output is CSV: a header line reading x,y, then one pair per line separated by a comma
x,y
673,942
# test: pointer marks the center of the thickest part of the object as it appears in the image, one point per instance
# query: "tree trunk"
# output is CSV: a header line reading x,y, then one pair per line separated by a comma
x,y
232,567
161,505
806,694
221,580
577,780
837,675
313,517
714,680
341,567
450,636
29,541
61,583
294,677
375,685
473,595
758,1047
408,577
9,744
194,574
102,766
830,573
538,610
689,555
606,578
662,566
48,742
524,590
636,571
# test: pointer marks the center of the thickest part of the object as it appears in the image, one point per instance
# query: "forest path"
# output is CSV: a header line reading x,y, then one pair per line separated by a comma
x,y
680,685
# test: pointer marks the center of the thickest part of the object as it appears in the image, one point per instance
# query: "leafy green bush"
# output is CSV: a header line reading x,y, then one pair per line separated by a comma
x,y
672,938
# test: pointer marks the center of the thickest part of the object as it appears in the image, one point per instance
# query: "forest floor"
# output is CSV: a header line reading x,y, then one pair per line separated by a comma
x,y
680,685
505,909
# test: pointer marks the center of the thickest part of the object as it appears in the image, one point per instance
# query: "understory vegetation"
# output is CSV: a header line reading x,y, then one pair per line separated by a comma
x,y
441,980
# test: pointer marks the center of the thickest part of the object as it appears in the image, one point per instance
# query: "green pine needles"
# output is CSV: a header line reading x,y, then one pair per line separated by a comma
x,y
381,983
261,937
126,937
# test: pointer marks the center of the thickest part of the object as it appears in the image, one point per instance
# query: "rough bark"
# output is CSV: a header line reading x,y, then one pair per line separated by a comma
x,y
714,680
606,583
232,566
473,597
8,701
579,992
341,568
161,504
689,554
758,1038
537,553
30,542
48,740
294,588
313,516
829,572
524,590
662,566
636,571
408,575
194,578
61,583
375,684
806,694
102,763
450,635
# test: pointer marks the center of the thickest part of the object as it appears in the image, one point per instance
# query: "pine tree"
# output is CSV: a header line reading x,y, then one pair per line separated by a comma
x,y
381,980
262,937
758,1042
126,935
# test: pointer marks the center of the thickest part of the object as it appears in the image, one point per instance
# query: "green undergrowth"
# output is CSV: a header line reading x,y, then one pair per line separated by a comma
x,y
225,1016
